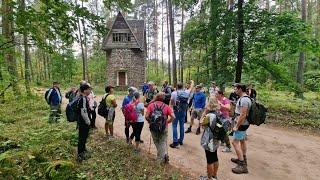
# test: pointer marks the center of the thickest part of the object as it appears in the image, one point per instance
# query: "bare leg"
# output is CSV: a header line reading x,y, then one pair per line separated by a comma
x,y
210,170
215,168
111,129
106,127
243,147
237,148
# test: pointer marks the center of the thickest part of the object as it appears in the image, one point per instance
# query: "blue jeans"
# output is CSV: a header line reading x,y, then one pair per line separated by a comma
x,y
180,116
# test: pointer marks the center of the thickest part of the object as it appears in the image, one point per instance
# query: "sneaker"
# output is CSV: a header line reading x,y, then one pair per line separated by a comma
x,y
235,160
203,178
181,143
226,149
107,136
80,158
141,141
241,168
174,145
198,131
111,137
136,151
188,130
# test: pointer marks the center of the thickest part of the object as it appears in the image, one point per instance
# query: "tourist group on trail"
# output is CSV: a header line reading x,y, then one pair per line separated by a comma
x,y
217,117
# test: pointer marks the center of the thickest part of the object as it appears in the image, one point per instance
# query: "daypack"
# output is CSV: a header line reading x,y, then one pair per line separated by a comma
x,y
257,113
158,121
130,112
150,95
181,102
103,109
218,131
72,112
47,95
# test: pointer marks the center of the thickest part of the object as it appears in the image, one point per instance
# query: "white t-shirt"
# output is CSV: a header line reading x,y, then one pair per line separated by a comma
x,y
213,91
139,107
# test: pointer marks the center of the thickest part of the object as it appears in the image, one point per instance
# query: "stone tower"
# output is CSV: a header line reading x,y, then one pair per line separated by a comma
x,y
125,47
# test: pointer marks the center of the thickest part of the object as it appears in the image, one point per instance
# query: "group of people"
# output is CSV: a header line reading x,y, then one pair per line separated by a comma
x,y
169,105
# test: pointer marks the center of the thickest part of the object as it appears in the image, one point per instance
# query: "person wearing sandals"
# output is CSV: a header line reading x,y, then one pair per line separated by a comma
x,y
208,141
137,126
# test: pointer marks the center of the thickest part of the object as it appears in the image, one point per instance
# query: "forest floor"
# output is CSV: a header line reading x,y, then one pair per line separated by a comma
x,y
273,152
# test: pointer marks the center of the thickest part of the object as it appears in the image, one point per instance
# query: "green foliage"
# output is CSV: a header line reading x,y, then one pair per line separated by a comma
x,y
312,80
47,151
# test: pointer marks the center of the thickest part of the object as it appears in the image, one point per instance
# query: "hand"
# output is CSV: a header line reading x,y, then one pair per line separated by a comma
x,y
235,128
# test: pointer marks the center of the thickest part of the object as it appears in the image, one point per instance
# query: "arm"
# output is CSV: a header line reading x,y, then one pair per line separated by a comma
x,y
84,111
114,103
205,112
171,117
242,117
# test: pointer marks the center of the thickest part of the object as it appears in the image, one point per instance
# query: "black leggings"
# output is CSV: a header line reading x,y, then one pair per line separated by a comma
x,y
82,138
93,116
212,157
127,129
137,129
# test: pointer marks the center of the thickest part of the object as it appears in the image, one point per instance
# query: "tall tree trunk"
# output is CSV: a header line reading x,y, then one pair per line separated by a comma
x,y
240,40
168,39
214,17
85,44
7,30
318,24
181,47
173,46
1,79
300,69
155,35
27,78
162,36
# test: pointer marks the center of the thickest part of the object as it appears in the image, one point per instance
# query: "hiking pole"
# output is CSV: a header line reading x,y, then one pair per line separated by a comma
x,y
149,143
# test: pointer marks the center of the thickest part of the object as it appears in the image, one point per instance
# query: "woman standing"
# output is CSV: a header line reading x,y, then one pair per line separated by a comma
x,y
208,140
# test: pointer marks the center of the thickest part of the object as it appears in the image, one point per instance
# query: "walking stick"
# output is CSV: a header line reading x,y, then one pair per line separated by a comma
x,y
149,143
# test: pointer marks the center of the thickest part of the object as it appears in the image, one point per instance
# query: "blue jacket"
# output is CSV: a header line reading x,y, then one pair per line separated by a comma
x,y
199,100
127,100
54,96
145,87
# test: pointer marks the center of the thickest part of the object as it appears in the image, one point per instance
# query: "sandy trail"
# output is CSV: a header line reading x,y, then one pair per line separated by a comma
x,y
272,153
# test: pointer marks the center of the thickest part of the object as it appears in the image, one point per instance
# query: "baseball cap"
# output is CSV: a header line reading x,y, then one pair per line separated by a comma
x,y
198,86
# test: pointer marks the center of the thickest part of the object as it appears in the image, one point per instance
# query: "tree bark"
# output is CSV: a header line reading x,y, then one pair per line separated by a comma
x,y
27,78
162,36
300,69
168,39
7,30
173,46
181,47
214,15
240,40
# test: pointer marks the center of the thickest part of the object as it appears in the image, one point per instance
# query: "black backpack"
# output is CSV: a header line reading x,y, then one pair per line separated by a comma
x,y
257,112
158,121
72,112
218,131
103,109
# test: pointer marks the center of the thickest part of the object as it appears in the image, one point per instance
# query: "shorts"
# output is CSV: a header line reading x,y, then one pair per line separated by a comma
x,y
111,116
211,157
196,114
239,135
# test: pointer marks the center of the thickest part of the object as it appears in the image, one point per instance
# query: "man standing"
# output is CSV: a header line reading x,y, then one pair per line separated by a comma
x,y
53,98
151,92
145,87
179,102
71,94
239,130
83,122
128,99
199,103
159,115
167,91
213,90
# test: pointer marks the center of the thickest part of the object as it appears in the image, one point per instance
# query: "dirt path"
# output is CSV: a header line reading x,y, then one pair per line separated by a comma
x,y
272,153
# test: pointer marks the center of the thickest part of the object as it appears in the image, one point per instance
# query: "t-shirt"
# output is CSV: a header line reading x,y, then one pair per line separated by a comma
x,y
199,100
109,100
166,109
243,102
224,112
126,100
213,91
140,107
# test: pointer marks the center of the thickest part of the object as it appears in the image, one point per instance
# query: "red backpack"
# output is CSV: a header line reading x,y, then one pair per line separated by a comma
x,y
130,112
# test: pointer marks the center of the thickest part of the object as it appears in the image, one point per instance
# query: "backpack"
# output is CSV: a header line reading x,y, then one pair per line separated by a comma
x,y
158,121
103,109
257,113
150,95
47,95
181,102
218,131
130,113
72,112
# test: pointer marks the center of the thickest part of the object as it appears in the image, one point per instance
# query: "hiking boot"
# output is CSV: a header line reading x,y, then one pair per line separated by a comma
x,y
235,160
226,149
241,168
174,145
141,141
198,131
188,130
80,158
136,151
181,143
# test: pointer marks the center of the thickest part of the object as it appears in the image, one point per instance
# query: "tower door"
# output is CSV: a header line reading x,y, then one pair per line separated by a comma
x,y
122,78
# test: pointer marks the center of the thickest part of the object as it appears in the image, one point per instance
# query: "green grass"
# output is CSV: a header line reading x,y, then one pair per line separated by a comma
x,y
31,148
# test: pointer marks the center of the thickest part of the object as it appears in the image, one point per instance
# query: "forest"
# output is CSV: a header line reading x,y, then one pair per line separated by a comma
x,y
271,44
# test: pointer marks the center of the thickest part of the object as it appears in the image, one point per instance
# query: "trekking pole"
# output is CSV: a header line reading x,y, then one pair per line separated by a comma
x,y
149,143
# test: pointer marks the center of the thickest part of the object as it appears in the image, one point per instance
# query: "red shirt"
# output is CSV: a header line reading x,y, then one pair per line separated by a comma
x,y
167,111
225,112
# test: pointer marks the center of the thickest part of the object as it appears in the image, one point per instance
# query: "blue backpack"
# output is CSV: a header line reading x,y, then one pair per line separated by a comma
x,y
72,112
182,101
